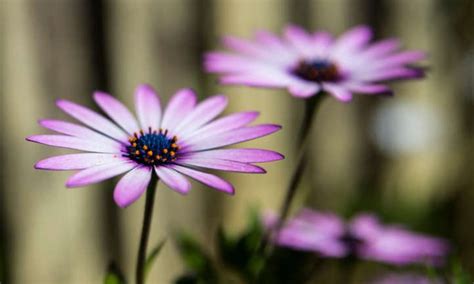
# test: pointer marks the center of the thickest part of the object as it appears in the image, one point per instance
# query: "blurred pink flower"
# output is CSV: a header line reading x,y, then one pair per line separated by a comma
x,y
364,237
309,63
175,143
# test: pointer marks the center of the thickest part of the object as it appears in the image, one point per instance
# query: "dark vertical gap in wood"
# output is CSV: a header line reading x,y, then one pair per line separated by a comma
x,y
202,42
373,162
299,12
5,252
96,21
459,20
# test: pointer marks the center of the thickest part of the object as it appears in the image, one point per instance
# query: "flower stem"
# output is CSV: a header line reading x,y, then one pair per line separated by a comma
x,y
147,216
311,106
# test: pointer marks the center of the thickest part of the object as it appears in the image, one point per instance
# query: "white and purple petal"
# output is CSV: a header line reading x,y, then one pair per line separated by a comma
x,y
201,114
148,107
132,185
78,161
178,107
173,179
75,130
117,111
207,179
92,119
339,92
223,124
220,164
243,155
99,173
231,137
75,143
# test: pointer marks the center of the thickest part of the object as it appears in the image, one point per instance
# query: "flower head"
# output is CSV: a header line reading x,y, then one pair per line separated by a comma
x,y
174,143
364,237
307,64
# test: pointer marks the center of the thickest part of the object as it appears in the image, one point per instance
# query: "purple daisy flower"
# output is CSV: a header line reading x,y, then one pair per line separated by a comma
x,y
174,143
364,236
307,64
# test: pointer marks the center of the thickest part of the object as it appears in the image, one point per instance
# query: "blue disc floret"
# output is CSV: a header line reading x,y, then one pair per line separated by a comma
x,y
152,147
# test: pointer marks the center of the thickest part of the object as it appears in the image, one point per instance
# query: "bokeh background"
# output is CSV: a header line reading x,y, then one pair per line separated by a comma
x,y
407,157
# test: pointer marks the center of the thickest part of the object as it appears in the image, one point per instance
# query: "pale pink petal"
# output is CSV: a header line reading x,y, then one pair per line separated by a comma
x,y
243,155
226,123
92,119
304,89
368,89
117,111
220,164
339,92
148,107
380,48
271,78
75,143
394,244
232,137
78,161
282,53
227,62
99,173
351,41
201,114
321,43
245,47
78,131
178,107
388,74
207,179
313,231
399,59
300,39
173,179
132,185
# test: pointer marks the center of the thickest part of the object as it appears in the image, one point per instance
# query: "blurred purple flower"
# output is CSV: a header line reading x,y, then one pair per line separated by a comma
x,y
364,237
307,64
176,142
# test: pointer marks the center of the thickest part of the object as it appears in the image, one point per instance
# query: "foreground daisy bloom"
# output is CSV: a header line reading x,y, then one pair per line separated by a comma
x,y
307,64
364,237
173,143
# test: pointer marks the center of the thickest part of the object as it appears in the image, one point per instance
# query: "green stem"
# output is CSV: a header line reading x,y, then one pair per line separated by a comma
x,y
311,106
304,137
147,216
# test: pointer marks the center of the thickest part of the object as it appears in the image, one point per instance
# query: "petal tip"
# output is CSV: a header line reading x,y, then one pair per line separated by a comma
x,y
145,88
99,95
62,102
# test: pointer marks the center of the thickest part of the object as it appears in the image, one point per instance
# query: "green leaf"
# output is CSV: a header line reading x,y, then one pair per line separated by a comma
x,y
114,275
460,275
241,252
152,256
196,259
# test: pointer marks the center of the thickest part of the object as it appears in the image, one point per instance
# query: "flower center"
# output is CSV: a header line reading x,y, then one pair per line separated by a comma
x,y
152,148
317,71
351,242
